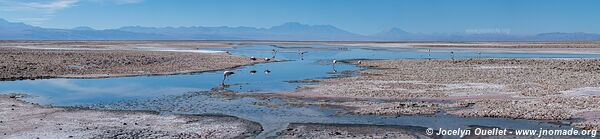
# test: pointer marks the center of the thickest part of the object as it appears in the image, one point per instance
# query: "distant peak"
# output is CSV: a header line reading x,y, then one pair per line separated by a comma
x,y
83,28
293,24
298,25
397,30
14,25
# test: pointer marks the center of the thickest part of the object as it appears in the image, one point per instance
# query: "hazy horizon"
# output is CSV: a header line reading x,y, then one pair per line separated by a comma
x,y
517,17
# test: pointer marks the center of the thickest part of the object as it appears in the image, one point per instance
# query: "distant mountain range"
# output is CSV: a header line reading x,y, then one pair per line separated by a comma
x,y
289,31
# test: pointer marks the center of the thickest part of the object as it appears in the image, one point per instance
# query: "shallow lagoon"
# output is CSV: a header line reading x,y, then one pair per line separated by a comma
x,y
165,93
316,64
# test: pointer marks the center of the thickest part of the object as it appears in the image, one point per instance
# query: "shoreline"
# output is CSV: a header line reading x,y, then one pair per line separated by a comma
x,y
30,64
324,130
584,47
63,122
92,76
543,89
493,91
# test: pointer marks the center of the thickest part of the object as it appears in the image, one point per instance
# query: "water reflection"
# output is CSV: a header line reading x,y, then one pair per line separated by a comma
x,y
276,118
317,64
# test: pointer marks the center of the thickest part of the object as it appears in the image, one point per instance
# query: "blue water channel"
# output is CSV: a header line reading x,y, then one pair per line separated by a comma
x,y
164,93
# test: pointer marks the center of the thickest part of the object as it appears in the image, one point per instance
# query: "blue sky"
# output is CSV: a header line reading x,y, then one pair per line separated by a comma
x,y
358,16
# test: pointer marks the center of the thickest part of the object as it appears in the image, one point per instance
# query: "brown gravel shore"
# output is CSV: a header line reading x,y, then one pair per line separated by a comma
x,y
585,47
517,45
543,89
19,119
18,64
544,45
116,44
299,130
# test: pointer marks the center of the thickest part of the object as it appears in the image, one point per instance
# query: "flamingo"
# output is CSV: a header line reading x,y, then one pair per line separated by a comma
x,y
302,55
334,61
225,75
429,54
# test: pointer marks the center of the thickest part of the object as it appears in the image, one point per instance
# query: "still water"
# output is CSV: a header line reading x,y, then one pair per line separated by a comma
x,y
171,93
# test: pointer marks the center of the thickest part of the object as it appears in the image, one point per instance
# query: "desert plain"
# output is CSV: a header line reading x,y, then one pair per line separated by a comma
x,y
545,89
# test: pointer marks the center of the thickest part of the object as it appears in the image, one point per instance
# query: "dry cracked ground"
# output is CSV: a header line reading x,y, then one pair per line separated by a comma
x,y
541,89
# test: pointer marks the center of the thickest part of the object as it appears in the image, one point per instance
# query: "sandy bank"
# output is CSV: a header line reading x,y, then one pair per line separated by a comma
x,y
298,130
487,47
116,44
432,44
543,89
19,119
18,64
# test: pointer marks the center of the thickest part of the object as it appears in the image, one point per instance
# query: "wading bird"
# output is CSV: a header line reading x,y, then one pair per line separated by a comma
x,y
225,75
274,52
334,61
267,71
428,54
253,58
267,59
301,55
359,62
252,72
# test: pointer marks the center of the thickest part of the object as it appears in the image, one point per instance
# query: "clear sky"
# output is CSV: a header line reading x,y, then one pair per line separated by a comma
x,y
358,16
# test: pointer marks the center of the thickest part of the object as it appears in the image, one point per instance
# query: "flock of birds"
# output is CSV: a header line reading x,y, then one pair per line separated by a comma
x,y
267,71
334,62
